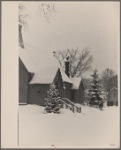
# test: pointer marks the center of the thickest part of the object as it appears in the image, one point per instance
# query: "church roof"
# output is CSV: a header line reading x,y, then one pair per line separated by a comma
x,y
45,75
76,82
42,64
27,60
33,58
64,76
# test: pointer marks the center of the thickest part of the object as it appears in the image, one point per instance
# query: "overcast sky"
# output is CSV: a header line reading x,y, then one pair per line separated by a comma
x,y
78,24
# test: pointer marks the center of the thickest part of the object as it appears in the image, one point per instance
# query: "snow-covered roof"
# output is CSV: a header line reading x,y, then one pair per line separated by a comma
x,y
27,60
45,75
34,58
41,63
76,82
64,76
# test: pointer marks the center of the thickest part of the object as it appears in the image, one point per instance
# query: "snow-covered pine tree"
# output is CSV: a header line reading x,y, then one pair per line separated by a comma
x,y
94,92
52,100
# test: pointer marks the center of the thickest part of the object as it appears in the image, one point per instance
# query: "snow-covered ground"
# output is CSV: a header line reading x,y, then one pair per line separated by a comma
x,y
90,128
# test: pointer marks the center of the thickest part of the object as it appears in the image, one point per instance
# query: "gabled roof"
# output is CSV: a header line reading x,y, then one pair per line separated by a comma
x,y
33,58
43,65
27,60
45,75
65,78
76,83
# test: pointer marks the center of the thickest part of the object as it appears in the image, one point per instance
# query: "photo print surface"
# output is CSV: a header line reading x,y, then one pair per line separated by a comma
x,y
68,74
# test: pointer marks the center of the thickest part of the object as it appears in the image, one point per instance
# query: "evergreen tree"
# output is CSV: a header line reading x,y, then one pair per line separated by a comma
x,y
94,92
52,100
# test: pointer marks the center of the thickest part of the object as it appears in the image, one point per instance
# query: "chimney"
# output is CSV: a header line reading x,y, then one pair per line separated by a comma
x,y
21,43
67,67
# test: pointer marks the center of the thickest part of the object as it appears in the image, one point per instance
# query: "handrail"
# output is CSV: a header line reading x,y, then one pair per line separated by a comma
x,y
71,108
78,109
70,102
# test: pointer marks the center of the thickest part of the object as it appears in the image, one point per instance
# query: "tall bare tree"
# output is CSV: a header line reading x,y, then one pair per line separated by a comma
x,y
45,10
80,60
108,79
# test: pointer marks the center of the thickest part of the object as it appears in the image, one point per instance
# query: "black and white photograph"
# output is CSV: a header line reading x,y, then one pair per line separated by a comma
x,y
68,74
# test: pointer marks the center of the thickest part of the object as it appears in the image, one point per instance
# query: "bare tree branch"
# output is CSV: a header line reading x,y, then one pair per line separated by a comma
x,y
47,10
80,61
106,78
23,16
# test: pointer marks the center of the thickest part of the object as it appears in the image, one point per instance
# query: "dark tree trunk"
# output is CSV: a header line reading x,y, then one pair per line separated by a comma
x,y
21,43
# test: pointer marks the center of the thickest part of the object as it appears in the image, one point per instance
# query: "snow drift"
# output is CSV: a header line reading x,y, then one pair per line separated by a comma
x,y
92,128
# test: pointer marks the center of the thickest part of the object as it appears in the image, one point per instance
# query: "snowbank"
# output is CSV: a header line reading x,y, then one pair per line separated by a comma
x,y
91,128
